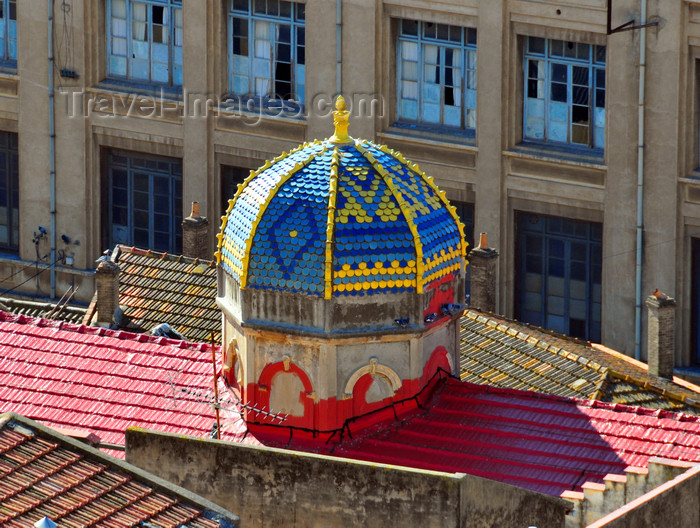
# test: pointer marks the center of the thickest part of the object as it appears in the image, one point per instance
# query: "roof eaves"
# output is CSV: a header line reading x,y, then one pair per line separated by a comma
x,y
225,517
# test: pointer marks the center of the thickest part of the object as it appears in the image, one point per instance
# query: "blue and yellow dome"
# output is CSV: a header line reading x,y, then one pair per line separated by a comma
x,y
340,217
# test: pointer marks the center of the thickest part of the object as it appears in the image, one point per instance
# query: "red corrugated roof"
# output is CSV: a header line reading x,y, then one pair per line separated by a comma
x,y
541,442
105,381
66,375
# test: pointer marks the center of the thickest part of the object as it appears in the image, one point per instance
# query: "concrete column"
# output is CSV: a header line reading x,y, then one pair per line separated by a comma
x,y
663,140
619,235
107,279
321,67
198,171
195,241
483,262
661,334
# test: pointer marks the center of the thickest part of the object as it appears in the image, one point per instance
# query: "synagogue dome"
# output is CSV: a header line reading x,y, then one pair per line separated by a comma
x,y
340,217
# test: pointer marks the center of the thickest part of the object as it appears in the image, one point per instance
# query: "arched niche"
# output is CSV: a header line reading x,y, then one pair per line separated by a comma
x,y
285,389
374,368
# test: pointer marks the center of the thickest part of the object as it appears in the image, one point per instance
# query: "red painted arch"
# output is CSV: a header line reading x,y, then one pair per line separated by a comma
x,y
438,360
264,386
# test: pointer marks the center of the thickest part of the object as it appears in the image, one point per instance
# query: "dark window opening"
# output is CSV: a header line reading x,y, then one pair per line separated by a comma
x,y
558,274
9,192
144,201
231,177
465,211
695,301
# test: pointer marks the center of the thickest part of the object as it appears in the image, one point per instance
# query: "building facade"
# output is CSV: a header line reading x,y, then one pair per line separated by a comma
x,y
526,113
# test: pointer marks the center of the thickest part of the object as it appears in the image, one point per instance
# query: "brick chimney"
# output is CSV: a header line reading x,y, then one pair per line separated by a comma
x,y
482,263
195,230
661,330
107,279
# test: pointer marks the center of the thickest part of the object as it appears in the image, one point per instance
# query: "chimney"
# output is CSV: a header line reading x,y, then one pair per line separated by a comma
x,y
195,230
482,264
661,344
107,278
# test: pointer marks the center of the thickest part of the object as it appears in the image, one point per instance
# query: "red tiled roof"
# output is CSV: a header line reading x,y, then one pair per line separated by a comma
x,y
65,375
44,476
541,442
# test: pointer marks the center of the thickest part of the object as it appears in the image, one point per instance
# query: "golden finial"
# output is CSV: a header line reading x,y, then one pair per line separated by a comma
x,y
340,120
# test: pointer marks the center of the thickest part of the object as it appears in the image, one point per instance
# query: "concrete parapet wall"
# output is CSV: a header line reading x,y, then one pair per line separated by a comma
x,y
674,503
272,487
598,500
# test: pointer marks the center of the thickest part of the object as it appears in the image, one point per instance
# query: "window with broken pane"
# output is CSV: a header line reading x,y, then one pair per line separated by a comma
x,y
436,74
564,92
144,40
267,49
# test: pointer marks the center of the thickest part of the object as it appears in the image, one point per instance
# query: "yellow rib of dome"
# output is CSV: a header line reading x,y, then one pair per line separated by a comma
x,y
332,194
405,210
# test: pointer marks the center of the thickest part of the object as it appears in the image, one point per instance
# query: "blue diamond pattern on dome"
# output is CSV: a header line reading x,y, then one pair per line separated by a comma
x,y
343,219
288,249
255,193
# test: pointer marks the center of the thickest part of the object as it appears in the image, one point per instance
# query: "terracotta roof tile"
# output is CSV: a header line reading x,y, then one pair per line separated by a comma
x,y
50,310
45,475
509,354
159,288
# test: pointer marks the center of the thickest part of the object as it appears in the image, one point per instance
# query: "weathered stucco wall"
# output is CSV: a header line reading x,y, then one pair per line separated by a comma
x,y
271,487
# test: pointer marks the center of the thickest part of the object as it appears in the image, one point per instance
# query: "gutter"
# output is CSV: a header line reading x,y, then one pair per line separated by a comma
x,y
338,46
52,153
640,183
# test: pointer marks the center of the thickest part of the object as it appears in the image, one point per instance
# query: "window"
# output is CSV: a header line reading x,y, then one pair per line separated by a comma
x,y
564,92
144,201
144,40
9,192
267,54
558,274
465,211
695,301
437,74
231,177
8,32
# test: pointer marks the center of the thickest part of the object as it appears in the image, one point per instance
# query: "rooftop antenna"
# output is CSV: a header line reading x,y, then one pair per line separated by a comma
x,y
216,388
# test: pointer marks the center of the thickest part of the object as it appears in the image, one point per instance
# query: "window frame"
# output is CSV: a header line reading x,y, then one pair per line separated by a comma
x,y
591,265
136,164
467,87
465,211
8,34
231,177
10,184
596,65
174,35
695,301
297,69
